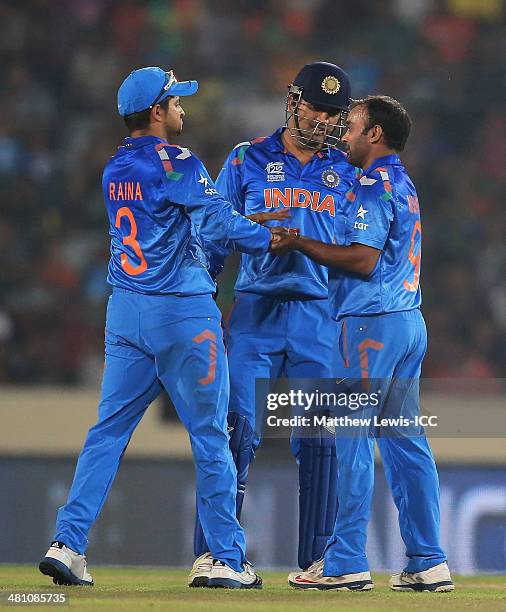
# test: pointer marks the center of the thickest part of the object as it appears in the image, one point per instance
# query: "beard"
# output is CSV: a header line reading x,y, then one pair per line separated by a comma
x,y
172,130
354,157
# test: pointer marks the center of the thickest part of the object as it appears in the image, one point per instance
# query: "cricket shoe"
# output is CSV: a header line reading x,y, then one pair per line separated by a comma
x,y
65,566
436,579
313,578
201,571
224,577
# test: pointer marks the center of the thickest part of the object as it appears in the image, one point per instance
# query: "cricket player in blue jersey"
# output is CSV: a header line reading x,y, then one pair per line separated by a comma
x,y
162,328
281,304
374,289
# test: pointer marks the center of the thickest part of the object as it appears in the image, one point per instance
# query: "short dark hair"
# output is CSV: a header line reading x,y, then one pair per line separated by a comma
x,y
391,116
140,120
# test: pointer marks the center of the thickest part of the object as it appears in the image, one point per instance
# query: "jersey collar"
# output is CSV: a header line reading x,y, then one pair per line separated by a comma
x,y
141,141
386,160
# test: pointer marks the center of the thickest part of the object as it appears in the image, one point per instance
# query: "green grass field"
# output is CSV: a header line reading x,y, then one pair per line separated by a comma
x,y
135,589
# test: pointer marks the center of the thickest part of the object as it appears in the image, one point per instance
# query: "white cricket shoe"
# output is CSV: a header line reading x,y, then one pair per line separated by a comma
x,y
313,578
436,579
201,571
224,577
65,566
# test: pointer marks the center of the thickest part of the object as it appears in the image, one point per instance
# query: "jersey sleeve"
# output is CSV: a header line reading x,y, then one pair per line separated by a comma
x,y
189,185
229,182
229,185
372,214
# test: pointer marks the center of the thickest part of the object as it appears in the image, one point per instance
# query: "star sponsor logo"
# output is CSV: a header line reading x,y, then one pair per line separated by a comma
x,y
361,213
275,171
330,177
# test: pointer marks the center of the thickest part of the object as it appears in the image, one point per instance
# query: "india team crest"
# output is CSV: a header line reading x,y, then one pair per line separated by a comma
x,y
331,85
330,178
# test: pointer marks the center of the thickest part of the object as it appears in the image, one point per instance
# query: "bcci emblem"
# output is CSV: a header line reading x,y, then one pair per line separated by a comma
x,y
331,85
330,178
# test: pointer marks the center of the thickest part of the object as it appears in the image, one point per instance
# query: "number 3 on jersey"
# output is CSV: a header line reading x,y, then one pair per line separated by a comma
x,y
131,241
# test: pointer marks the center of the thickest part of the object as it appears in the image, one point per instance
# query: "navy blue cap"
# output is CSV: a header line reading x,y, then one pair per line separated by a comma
x,y
146,87
324,84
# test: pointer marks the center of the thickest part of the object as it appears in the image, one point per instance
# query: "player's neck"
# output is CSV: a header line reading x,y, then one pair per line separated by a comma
x,y
376,153
302,153
154,130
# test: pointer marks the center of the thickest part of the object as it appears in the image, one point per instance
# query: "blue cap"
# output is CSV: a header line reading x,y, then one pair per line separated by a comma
x,y
146,87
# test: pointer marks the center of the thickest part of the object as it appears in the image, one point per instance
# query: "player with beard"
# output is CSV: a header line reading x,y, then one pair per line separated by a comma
x,y
375,296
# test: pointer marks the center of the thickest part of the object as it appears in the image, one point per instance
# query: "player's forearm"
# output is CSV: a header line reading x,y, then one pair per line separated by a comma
x,y
222,223
354,258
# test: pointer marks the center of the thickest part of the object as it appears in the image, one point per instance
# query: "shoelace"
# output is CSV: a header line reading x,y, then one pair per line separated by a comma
x,y
248,568
202,565
316,568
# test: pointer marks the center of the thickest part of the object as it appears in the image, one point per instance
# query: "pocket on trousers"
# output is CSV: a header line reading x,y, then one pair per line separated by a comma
x,y
343,344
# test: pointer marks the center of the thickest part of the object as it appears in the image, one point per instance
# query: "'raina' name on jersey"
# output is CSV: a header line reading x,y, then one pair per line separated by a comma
x,y
125,190
301,198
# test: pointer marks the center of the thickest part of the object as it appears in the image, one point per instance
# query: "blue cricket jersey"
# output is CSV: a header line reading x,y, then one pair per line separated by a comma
x,y
382,212
161,202
261,176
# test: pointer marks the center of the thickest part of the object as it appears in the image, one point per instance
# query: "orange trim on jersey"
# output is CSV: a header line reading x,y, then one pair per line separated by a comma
x,y
160,145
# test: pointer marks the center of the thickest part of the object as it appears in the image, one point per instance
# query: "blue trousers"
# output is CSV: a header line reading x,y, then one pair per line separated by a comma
x,y
389,349
155,341
270,337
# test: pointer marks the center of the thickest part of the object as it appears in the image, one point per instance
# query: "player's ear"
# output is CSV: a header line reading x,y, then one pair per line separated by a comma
x,y
375,134
157,113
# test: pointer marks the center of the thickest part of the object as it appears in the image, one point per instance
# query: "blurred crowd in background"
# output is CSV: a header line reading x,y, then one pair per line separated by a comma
x,y
63,60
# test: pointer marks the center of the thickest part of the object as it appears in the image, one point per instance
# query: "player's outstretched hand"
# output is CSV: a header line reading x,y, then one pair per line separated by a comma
x,y
284,241
264,217
276,234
